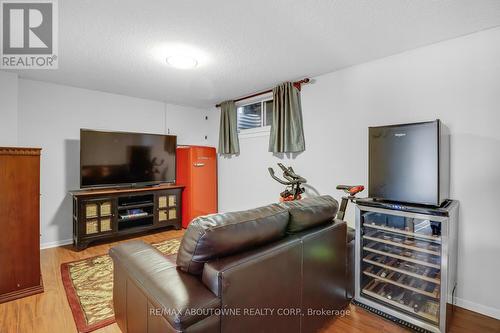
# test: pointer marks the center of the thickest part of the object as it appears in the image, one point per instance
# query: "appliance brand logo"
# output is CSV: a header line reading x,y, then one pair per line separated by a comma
x,y
29,34
398,135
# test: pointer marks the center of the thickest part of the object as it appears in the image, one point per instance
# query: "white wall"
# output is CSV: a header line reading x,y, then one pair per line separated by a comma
x,y
8,109
457,81
189,124
50,117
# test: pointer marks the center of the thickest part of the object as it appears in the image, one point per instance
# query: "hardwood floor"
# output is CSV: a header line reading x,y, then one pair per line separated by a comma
x,y
50,313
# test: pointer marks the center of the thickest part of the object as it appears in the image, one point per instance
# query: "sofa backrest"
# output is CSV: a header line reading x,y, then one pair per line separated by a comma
x,y
310,212
220,235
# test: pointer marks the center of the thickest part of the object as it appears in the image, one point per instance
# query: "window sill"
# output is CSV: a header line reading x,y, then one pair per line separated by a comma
x,y
255,132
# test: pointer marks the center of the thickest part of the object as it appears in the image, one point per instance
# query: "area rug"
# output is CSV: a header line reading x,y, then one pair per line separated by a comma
x,y
89,287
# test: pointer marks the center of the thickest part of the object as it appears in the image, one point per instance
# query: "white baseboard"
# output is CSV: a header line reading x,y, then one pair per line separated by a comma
x,y
49,245
482,309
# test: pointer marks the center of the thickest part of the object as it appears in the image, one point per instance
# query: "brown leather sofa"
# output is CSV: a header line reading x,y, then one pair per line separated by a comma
x,y
278,268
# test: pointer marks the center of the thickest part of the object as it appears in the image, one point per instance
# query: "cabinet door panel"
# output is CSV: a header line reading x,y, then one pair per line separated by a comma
x,y
98,217
167,204
19,222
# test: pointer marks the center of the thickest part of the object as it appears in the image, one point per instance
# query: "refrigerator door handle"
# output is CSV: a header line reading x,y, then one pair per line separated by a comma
x,y
198,165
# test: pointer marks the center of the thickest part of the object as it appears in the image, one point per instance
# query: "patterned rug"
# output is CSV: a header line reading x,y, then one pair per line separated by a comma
x,y
89,287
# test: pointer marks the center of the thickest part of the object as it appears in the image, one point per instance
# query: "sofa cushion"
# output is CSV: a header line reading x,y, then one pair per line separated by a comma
x,y
219,235
310,212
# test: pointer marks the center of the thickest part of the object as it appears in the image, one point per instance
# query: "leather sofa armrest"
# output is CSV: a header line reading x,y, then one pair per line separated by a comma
x,y
141,270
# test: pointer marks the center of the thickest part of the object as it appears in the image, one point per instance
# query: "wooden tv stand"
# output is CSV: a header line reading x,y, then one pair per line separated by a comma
x,y
106,214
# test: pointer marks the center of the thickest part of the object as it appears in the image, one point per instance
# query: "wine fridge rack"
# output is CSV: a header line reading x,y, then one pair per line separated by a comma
x,y
406,263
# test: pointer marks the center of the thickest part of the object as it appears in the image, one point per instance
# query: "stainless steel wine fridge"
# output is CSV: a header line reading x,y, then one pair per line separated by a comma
x,y
406,263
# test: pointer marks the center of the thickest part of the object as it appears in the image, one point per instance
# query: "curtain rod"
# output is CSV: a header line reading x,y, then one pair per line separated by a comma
x,y
297,84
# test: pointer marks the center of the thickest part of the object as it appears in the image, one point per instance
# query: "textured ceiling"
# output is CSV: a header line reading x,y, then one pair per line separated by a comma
x,y
242,46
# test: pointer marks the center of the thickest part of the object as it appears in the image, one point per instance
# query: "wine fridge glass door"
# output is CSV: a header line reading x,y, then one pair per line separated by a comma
x,y
400,263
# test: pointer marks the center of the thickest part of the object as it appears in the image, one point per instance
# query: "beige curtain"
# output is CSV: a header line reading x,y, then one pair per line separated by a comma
x,y
228,132
287,133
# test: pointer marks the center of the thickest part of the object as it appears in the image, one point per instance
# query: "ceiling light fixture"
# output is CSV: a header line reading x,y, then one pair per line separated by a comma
x,y
182,61
180,55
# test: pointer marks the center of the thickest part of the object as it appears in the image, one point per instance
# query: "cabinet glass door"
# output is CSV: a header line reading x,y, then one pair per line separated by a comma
x,y
98,217
401,263
167,207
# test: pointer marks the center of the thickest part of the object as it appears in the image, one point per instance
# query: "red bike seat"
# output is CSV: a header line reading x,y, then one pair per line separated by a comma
x,y
351,189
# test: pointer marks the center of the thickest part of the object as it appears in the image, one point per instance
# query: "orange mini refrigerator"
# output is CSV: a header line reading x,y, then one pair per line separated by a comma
x,y
196,169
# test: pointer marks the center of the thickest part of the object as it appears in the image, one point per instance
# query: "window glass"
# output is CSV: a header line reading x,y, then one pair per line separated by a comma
x,y
269,113
249,116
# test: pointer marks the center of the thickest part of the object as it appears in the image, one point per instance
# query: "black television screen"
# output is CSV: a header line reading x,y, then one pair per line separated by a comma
x,y
120,158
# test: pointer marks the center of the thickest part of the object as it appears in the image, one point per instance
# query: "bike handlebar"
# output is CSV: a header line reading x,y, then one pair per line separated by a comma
x,y
289,173
271,172
292,179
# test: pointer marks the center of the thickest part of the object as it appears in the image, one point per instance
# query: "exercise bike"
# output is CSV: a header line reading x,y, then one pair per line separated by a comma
x,y
294,189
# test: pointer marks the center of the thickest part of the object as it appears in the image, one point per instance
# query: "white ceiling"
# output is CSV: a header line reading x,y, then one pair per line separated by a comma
x,y
242,46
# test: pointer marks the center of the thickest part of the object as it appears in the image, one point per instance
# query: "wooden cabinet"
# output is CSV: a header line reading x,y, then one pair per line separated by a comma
x,y
20,274
106,214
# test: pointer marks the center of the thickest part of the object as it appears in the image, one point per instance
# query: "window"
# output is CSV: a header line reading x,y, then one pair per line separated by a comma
x,y
255,117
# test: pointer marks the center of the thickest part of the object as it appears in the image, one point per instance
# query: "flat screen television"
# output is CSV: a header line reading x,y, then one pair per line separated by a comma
x,y
123,159
409,163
